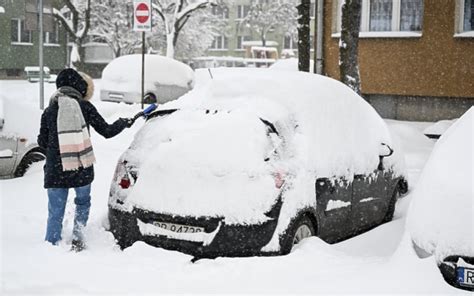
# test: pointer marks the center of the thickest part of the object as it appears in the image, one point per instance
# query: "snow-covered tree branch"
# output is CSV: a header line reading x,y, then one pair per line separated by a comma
x,y
75,18
175,14
112,23
266,16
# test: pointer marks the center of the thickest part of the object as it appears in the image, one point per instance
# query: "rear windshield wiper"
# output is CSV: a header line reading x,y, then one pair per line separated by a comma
x,y
161,113
270,126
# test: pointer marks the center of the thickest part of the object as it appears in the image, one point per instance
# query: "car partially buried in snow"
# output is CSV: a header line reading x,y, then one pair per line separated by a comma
x,y
441,215
252,162
165,79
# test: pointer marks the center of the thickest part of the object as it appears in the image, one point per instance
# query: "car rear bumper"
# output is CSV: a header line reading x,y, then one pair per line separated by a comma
x,y
217,240
119,97
449,269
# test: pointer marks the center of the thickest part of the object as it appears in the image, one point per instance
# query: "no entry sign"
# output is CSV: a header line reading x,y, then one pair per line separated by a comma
x,y
142,15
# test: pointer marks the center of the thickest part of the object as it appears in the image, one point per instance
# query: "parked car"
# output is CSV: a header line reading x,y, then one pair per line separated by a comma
x,y
254,162
441,215
16,155
165,79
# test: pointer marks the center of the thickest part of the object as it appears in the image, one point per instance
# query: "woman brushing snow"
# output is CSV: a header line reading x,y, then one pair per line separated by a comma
x,y
64,134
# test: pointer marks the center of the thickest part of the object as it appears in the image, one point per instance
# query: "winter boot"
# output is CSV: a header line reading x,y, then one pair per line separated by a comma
x,y
78,245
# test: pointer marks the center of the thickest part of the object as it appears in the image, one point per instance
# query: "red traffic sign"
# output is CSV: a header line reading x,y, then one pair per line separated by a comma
x,y
142,13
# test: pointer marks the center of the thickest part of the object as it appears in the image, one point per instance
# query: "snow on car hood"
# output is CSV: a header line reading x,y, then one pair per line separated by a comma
x,y
441,214
198,163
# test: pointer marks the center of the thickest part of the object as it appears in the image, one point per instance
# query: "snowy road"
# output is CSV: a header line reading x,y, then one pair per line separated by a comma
x,y
380,261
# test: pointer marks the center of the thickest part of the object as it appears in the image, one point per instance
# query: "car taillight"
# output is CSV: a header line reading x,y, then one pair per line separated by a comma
x,y
122,175
125,182
279,179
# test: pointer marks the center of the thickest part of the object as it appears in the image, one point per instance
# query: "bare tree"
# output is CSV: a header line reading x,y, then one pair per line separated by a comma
x,y
304,45
112,23
349,44
265,16
174,15
75,17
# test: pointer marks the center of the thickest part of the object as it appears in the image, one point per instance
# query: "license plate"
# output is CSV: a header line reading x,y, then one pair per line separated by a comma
x,y
178,227
465,276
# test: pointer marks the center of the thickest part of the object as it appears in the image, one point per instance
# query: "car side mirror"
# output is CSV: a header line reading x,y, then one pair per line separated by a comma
x,y
384,151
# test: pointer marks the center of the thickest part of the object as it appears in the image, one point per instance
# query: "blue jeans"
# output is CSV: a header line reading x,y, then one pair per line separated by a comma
x,y
57,198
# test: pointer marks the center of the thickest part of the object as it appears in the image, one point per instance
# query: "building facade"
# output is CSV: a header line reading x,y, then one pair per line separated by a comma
x,y
232,40
19,47
416,57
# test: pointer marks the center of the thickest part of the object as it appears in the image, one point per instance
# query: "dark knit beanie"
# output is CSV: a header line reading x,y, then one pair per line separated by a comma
x,y
70,77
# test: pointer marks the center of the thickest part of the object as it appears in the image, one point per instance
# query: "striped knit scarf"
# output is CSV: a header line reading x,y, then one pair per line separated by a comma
x,y
74,142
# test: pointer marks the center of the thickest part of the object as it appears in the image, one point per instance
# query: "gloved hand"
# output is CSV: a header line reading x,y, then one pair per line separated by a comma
x,y
128,121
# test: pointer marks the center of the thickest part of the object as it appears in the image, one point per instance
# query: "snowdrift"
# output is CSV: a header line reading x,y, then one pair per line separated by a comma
x,y
441,215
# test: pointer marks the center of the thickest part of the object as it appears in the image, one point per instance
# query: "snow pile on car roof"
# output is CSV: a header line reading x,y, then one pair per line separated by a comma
x,y
290,64
166,71
23,126
340,132
441,215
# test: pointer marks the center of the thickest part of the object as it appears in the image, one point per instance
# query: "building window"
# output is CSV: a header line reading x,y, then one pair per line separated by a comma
x,y
18,32
242,11
411,15
388,15
220,42
52,37
241,40
380,15
289,43
468,19
220,11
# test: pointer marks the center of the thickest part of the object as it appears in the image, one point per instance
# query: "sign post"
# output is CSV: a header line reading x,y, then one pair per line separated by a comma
x,y
41,61
142,23
39,16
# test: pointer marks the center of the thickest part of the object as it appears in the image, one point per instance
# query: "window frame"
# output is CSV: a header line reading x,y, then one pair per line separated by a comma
x,y
241,40
47,36
221,12
365,22
241,11
223,43
19,33
460,5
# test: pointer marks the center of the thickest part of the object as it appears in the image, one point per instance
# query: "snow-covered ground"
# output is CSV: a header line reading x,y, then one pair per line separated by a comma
x,y
380,261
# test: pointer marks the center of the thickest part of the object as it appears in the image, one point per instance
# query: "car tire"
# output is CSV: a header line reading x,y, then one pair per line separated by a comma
x,y
391,206
27,161
301,227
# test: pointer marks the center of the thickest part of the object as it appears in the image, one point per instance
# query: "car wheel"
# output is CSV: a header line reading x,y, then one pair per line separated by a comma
x,y
149,98
300,228
27,161
391,206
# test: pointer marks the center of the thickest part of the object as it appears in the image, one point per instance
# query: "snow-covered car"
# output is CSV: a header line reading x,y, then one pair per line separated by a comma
x,y
252,162
16,155
441,215
165,79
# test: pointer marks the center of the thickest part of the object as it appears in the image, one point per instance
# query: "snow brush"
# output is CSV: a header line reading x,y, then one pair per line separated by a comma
x,y
145,112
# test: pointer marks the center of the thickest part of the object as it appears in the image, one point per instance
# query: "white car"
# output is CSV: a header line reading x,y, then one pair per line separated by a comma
x,y
253,161
165,79
441,215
